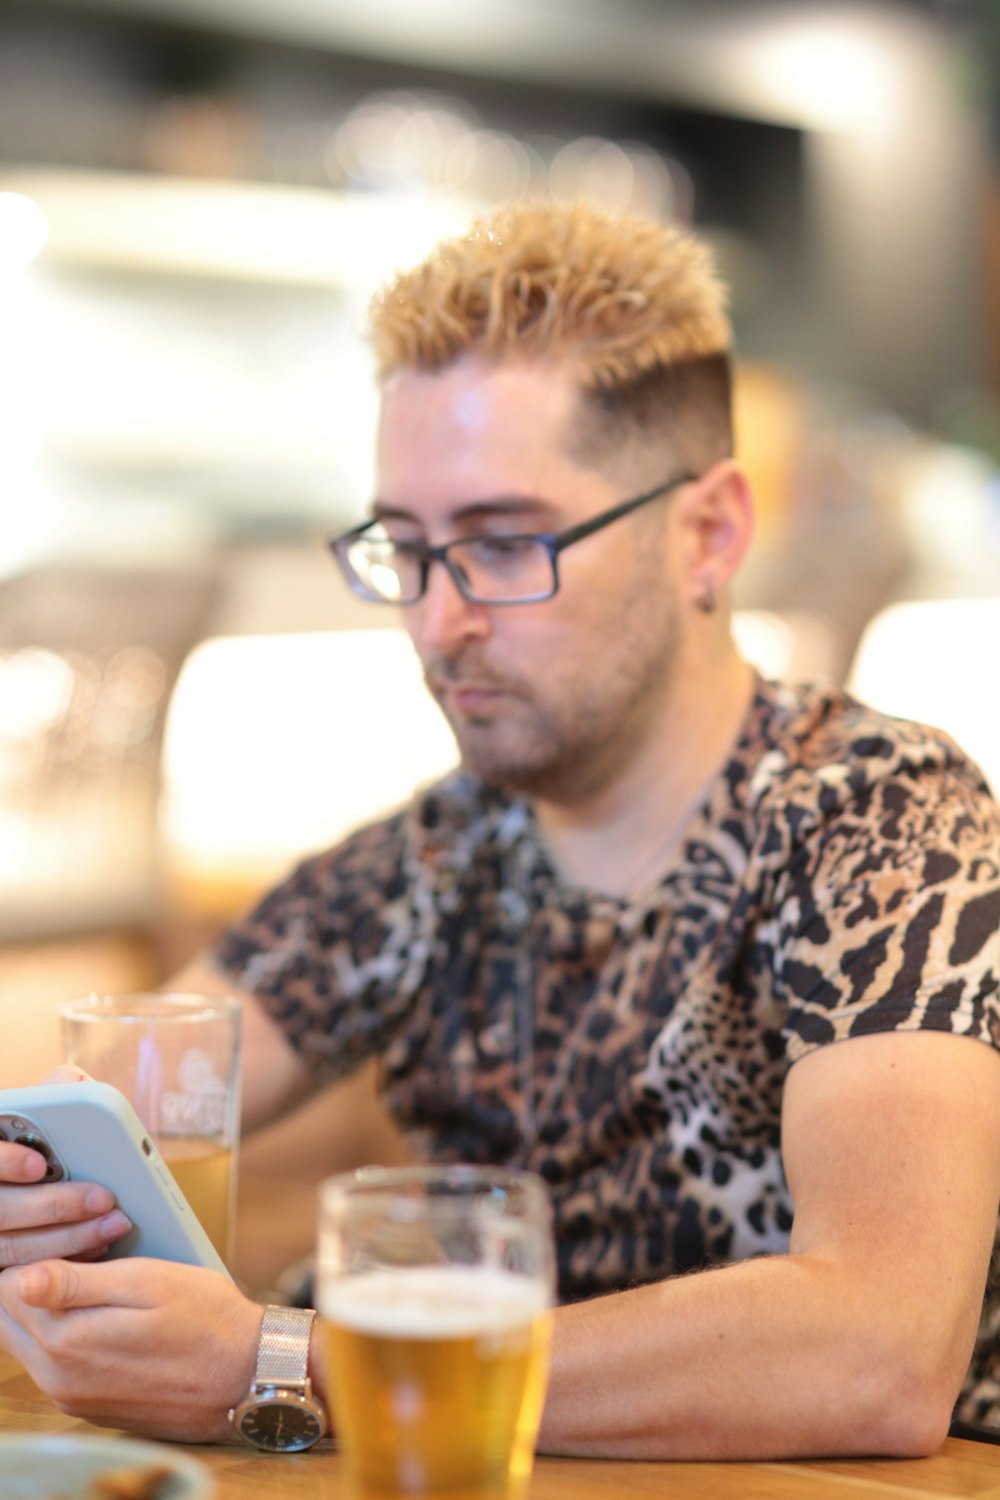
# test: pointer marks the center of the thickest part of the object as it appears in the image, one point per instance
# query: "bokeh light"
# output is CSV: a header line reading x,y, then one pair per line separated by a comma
x,y
24,230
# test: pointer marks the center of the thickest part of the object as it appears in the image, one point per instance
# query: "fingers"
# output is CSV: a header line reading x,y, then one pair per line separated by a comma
x,y
88,1240
20,1163
65,1073
57,1203
73,1218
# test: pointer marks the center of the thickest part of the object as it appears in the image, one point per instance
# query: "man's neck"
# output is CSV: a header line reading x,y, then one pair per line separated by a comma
x,y
621,838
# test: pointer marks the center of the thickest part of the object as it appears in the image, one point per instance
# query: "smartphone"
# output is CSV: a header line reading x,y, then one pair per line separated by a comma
x,y
89,1132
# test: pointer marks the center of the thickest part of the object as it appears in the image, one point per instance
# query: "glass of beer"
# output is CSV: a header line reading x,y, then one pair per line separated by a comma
x,y
434,1292
176,1058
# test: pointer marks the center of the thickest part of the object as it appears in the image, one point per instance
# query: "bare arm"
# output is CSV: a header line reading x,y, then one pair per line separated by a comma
x,y
857,1341
345,1125
275,1079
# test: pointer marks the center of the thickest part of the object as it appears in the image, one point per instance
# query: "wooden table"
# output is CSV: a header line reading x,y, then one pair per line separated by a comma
x,y
960,1469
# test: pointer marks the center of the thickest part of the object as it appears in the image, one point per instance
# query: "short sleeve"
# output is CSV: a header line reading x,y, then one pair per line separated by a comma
x,y
889,917
336,951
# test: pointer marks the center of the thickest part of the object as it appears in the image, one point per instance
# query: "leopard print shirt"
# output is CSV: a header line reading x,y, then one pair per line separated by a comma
x,y
842,878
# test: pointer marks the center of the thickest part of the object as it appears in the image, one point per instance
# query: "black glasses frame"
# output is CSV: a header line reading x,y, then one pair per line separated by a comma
x,y
554,542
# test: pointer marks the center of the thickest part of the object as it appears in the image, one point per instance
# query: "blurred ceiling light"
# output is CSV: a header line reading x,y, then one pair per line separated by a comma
x,y
419,144
594,169
181,226
622,177
365,139
501,167
662,187
35,689
827,75
23,231
399,136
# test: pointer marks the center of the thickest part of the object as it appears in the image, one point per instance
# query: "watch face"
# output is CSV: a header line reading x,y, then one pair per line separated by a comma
x,y
280,1426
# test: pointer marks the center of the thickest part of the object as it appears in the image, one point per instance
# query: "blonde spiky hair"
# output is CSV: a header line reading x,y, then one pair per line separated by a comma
x,y
618,297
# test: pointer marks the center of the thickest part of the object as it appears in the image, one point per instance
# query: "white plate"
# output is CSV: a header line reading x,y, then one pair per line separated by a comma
x,y
38,1466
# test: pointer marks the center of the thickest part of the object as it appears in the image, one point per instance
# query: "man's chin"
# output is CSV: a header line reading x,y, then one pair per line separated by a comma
x,y
541,772
490,762
510,772
505,754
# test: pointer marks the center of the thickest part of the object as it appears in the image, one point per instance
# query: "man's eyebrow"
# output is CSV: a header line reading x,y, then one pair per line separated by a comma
x,y
496,505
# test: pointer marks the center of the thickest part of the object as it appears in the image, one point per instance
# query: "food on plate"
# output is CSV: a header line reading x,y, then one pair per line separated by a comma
x,y
127,1484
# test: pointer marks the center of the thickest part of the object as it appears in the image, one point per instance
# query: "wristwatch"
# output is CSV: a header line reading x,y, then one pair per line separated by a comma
x,y
279,1413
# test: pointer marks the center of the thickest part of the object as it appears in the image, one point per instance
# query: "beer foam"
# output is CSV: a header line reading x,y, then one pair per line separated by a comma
x,y
432,1302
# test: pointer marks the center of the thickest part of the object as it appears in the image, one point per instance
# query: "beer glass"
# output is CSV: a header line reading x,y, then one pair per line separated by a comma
x,y
176,1058
434,1292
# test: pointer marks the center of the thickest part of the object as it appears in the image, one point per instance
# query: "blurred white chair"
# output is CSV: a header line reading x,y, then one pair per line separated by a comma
x,y
937,661
279,745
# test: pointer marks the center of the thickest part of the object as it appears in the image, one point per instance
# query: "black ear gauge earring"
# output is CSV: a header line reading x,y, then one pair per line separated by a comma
x,y
707,603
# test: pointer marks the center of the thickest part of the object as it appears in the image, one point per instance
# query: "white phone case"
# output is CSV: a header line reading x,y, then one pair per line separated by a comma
x,y
90,1132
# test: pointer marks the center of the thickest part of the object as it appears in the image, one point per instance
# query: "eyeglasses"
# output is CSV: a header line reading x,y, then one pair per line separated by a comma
x,y
518,569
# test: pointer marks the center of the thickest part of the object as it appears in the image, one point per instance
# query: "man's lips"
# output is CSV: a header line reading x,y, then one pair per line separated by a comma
x,y
469,697
465,695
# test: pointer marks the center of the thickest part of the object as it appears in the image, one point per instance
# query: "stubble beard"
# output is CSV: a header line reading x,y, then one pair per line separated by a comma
x,y
513,746
572,742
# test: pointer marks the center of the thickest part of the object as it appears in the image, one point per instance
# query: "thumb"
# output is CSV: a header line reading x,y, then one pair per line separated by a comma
x,y
56,1285
43,1284
59,1285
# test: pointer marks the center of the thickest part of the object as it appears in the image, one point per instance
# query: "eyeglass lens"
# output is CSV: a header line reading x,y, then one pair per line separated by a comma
x,y
488,569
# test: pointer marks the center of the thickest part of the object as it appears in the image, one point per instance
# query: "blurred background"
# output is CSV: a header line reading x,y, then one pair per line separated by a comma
x,y
197,199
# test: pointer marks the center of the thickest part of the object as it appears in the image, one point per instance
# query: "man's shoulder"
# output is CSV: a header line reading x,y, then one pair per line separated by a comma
x,y
816,735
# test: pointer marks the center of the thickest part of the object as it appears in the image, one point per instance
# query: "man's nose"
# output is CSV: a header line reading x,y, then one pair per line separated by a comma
x,y
446,617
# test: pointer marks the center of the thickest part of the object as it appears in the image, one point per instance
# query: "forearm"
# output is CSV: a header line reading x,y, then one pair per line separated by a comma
x,y
776,1357
855,1342
274,1077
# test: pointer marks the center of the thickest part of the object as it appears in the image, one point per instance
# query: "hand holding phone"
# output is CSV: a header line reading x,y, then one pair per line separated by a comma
x,y
95,1151
67,1220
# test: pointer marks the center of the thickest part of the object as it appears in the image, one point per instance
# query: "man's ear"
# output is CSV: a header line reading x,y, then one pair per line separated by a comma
x,y
716,516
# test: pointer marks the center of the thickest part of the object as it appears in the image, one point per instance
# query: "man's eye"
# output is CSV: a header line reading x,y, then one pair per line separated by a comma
x,y
502,548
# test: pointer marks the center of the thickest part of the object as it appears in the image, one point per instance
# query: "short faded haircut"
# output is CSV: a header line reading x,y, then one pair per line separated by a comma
x,y
634,307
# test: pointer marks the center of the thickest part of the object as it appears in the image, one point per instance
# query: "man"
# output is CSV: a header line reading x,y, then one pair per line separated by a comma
x,y
720,959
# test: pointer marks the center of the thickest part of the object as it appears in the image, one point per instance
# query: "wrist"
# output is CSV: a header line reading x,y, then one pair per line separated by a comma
x,y
280,1412
243,1368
